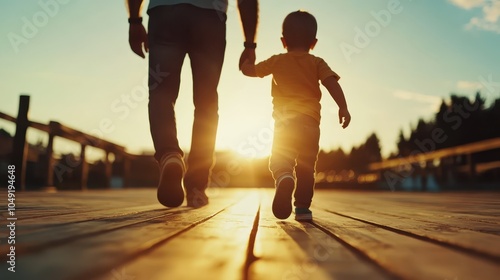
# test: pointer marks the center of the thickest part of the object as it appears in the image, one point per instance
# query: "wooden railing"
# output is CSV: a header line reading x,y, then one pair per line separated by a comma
x,y
56,129
467,149
420,160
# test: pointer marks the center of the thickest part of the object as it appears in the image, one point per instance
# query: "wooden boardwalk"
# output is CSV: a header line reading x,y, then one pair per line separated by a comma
x,y
126,234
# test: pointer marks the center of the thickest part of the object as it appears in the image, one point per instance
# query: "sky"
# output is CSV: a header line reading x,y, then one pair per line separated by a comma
x,y
397,61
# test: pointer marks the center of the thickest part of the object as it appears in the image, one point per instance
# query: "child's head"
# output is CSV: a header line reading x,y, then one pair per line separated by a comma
x,y
299,31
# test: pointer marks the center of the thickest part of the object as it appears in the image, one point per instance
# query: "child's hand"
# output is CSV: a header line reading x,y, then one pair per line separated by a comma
x,y
248,68
247,54
344,117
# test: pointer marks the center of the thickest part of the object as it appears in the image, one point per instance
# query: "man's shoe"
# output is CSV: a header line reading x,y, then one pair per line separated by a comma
x,y
282,202
196,198
303,214
170,192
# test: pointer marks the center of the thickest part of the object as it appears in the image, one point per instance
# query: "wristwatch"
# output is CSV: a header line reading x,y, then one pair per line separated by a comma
x,y
137,20
249,45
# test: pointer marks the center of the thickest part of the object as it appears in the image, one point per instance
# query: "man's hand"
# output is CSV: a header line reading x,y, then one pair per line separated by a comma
x,y
248,69
344,117
137,38
247,54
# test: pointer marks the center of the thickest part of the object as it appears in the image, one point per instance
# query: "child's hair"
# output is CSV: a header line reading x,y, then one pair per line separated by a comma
x,y
299,29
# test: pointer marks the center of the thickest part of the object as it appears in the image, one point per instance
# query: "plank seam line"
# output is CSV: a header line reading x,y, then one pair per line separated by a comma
x,y
149,247
99,219
250,256
59,242
74,212
419,219
483,255
359,253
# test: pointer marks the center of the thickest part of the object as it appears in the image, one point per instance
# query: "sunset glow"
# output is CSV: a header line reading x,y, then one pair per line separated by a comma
x,y
394,69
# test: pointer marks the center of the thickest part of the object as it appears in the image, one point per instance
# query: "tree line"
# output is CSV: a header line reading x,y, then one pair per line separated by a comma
x,y
459,120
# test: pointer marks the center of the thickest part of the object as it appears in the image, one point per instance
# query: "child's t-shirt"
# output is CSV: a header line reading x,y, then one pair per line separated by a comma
x,y
295,85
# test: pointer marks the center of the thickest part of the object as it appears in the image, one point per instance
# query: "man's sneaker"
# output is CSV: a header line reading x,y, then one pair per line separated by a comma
x,y
196,198
303,214
170,192
282,202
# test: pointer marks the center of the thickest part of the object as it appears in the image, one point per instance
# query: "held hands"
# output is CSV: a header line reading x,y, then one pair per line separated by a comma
x,y
247,54
344,117
137,38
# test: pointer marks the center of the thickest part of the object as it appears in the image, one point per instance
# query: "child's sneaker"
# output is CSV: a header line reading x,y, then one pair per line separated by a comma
x,y
196,198
303,214
282,202
170,192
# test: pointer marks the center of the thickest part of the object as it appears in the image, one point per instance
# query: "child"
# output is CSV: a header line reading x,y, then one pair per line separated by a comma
x,y
296,101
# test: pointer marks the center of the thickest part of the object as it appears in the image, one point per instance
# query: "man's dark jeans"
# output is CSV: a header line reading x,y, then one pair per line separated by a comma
x,y
174,31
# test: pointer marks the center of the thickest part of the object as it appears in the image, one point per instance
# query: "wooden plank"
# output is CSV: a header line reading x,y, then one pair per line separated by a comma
x,y
483,167
482,244
40,126
83,138
89,257
370,235
215,250
404,256
33,207
40,237
292,250
39,209
445,205
474,211
7,117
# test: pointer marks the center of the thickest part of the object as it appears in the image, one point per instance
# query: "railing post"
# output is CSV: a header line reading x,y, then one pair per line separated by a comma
x,y
20,146
472,166
49,164
126,169
83,168
108,169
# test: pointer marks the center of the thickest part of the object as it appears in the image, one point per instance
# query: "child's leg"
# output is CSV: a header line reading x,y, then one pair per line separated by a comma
x,y
306,163
283,154
281,164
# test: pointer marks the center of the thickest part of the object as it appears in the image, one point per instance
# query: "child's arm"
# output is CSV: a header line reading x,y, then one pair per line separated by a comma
x,y
248,69
333,86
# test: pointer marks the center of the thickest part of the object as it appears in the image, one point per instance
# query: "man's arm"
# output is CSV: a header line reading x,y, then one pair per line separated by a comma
x,y
134,8
137,35
333,86
249,10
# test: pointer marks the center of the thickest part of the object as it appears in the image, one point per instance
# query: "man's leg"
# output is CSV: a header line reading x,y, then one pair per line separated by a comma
x,y
166,56
206,51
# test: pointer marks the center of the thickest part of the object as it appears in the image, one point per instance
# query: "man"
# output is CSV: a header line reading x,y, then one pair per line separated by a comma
x,y
176,28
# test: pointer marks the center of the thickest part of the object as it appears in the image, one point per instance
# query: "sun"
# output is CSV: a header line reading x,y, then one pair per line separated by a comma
x,y
256,146
248,135
250,141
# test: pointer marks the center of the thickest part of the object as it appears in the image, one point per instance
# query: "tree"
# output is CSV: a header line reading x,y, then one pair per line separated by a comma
x,y
372,149
404,146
